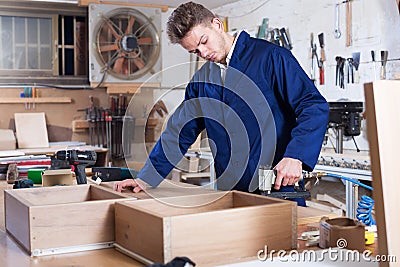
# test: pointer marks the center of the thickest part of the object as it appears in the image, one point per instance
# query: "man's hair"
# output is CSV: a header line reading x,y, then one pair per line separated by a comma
x,y
184,18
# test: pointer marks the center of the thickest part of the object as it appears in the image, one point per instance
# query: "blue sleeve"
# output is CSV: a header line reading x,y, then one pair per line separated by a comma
x,y
182,129
308,105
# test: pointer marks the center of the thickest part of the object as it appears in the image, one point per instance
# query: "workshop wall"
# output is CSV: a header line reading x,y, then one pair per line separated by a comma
x,y
375,26
59,117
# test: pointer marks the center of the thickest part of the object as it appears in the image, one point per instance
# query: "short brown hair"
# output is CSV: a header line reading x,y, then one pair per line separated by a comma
x,y
184,18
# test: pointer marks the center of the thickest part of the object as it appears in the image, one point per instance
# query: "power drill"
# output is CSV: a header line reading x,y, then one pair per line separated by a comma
x,y
267,181
79,159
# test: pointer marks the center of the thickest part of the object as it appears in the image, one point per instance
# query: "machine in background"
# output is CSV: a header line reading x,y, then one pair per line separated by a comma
x,y
345,120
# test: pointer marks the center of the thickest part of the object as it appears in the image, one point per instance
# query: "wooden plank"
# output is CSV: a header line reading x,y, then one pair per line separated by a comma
x,y
37,100
139,231
31,130
79,126
54,195
72,224
382,100
17,219
232,234
164,8
306,215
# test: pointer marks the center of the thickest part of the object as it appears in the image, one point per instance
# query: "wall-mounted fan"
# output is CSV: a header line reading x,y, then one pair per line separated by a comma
x,y
124,43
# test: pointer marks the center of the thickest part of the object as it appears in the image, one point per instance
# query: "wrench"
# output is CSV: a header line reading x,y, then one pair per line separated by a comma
x,y
337,30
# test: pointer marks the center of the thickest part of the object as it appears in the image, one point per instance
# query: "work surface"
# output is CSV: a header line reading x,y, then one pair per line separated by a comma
x,y
11,254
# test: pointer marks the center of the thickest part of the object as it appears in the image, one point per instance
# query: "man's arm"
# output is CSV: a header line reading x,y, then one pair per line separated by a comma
x,y
312,114
183,127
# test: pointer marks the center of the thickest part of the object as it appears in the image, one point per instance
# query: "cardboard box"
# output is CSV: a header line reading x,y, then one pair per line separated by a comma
x,y
209,228
7,139
59,219
342,232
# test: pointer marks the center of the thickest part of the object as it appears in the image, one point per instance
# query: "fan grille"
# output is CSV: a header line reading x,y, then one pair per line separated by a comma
x,y
126,43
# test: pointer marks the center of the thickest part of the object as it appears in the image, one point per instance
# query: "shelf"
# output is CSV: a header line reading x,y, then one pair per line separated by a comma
x,y
13,100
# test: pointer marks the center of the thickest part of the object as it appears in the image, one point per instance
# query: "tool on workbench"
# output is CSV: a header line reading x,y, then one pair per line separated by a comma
x,y
373,60
108,174
322,59
356,64
267,179
384,57
23,183
80,159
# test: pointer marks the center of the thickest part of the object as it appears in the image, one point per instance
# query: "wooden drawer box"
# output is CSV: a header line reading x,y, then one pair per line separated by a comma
x,y
226,227
60,219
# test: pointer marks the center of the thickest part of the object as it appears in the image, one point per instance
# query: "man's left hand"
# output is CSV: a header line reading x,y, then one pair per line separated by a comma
x,y
288,172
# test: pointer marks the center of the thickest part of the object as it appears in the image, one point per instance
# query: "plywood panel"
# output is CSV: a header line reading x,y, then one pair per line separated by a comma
x,y
31,130
17,219
139,231
231,234
383,125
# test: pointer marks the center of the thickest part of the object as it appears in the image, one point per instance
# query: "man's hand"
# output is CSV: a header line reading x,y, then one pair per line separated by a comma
x,y
137,184
288,172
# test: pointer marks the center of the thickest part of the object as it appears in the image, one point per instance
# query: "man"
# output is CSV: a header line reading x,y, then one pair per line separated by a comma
x,y
256,103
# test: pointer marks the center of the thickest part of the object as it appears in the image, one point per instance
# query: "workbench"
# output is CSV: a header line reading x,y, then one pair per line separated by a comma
x,y
11,254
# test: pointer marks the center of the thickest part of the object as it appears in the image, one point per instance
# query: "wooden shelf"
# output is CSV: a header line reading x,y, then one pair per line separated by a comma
x,y
13,100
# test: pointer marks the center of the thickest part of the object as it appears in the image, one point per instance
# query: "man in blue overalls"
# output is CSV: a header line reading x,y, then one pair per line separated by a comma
x,y
256,103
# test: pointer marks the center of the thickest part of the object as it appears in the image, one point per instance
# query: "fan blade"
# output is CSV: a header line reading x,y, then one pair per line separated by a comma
x,y
139,63
145,40
106,48
112,29
131,21
118,63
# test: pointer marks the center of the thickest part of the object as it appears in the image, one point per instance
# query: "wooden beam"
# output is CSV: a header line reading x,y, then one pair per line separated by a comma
x,y
163,8
382,99
12,100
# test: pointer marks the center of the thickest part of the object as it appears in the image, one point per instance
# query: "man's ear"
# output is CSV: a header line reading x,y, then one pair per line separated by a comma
x,y
217,24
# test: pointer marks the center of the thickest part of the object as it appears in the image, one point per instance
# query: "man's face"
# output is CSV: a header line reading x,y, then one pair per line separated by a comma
x,y
207,42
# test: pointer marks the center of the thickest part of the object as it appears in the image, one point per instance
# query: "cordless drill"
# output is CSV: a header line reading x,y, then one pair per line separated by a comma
x,y
79,159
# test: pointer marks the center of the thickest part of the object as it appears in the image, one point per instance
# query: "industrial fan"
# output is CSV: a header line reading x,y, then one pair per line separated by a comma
x,y
125,43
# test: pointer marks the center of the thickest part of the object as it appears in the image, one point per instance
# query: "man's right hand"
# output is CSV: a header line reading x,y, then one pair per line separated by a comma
x,y
137,185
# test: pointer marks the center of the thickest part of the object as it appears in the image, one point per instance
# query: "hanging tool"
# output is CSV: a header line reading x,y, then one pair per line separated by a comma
x,y
350,70
286,39
356,64
337,32
340,65
313,54
348,22
34,96
384,57
373,60
321,59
